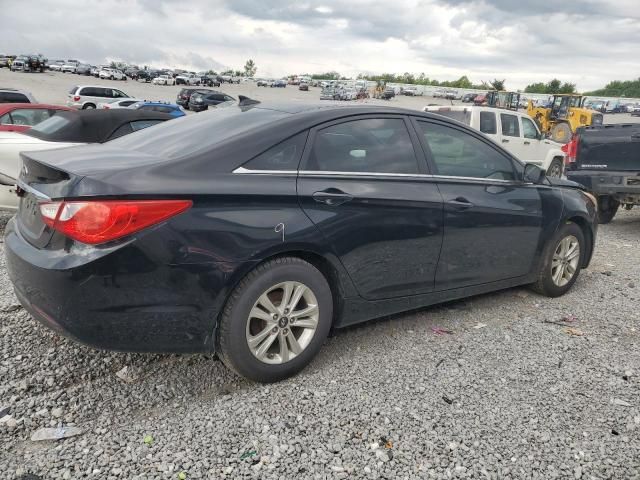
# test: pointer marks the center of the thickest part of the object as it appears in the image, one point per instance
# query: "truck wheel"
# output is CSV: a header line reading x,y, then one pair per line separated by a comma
x,y
555,169
607,209
561,133
561,261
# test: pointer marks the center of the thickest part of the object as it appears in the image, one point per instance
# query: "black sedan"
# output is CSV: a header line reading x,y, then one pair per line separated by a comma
x,y
202,101
273,224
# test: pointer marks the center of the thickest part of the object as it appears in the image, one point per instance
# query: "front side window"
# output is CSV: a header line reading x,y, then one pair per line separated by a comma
x,y
29,116
285,156
510,127
529,129
459,154
376,145
488,123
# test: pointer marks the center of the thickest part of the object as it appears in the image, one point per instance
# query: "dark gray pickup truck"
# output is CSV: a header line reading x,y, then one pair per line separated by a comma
x,y
606,160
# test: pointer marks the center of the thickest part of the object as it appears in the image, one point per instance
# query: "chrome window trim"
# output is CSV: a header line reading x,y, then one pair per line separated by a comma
x,y
318,173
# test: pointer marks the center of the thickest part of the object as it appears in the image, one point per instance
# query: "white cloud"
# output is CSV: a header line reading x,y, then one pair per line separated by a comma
x,y
589,42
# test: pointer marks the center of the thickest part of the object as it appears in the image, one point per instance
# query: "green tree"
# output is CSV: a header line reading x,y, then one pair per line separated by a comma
x,y
498,84
250,68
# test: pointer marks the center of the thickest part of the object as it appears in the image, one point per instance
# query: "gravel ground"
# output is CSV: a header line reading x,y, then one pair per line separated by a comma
x,y
482,388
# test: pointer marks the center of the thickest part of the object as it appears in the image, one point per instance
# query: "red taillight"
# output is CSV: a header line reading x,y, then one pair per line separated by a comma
x,y
102,221
571,150
76,98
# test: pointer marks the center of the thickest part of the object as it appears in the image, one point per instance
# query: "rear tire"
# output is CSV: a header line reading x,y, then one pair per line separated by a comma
x,y
607,209
281,346
561,133
555,169
562,261
88,106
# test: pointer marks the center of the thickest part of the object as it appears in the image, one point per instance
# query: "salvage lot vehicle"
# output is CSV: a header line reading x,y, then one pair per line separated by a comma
x,y
606,160
515,131
163,107
14,95
89,96
124,103
565,114
164,80
200,101
257,238
110,74
19,117
63,130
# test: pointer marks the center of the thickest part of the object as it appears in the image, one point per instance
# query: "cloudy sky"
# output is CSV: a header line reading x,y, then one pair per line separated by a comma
x,y
589,42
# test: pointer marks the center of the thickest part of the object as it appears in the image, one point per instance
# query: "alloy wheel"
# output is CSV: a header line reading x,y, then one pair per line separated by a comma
x,y
564,264
282,322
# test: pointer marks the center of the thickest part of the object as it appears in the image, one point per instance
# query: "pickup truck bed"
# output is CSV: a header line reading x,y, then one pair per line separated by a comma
x,y
606,160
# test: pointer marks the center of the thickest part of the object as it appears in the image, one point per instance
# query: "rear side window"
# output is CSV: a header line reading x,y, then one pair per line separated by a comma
x,y
488,123
13,97
510,127
285,156
376,145
121,131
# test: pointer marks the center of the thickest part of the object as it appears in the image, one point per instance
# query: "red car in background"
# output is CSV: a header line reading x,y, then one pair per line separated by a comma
x,y
18,117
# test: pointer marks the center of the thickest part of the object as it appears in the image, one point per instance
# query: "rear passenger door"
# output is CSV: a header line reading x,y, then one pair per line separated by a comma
x,y
363,182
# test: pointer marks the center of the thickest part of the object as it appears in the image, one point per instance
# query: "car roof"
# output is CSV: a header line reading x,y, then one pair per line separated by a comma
x,y
163,104
95,126
5,107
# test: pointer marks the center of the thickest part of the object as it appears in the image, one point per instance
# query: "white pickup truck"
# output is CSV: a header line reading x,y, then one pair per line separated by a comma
x,y
187,79
514,131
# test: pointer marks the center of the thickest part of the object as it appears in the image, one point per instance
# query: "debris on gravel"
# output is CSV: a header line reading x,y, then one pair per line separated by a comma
x,y
517,398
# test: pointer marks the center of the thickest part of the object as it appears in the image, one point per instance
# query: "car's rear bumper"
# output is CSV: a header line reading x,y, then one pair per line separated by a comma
x,y
197,108
130,298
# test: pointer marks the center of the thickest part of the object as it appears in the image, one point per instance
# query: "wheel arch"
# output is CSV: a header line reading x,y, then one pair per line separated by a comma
x,y
328,265
588,236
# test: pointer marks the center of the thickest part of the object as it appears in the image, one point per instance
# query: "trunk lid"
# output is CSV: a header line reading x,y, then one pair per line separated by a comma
x,y
608,147
39,183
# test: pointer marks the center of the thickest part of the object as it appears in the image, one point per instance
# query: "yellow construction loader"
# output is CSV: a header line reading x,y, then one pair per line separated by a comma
x,y
562,116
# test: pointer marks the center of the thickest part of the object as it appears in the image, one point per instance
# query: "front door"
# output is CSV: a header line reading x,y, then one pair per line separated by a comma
x,y
492,221
363,184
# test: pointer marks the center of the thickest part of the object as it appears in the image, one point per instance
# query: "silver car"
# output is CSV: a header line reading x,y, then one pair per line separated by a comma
x,y
89,96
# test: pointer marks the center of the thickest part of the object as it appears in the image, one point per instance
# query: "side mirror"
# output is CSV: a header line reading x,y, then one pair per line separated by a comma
x,y
533,174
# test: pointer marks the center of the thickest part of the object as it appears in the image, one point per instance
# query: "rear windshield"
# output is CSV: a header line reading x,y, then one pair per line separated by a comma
x,y
193,134
73,90
49,126
463,116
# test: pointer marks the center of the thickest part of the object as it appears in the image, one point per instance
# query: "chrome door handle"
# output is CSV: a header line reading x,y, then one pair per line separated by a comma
x,y
460,203
504,140
332,197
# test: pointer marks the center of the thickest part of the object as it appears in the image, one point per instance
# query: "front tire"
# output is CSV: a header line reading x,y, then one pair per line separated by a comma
x,y
266,338
562,261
